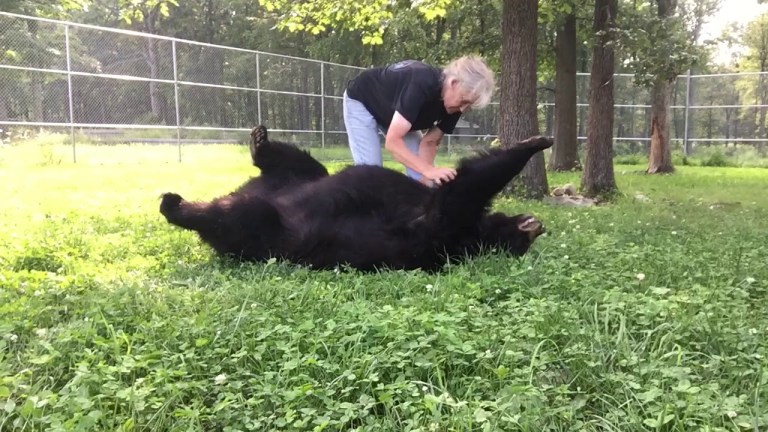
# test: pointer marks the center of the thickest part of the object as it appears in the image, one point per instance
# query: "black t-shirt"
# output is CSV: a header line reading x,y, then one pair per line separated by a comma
x,y
409,87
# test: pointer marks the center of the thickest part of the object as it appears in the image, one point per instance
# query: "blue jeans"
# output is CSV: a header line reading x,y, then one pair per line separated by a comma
x,y
363,134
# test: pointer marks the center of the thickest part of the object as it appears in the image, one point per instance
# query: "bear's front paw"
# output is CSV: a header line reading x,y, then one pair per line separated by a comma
x,y
538,142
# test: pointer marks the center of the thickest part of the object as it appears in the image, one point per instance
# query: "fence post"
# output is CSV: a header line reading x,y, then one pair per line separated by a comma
x,y
258,89
69,91
322,105
176,98
686,143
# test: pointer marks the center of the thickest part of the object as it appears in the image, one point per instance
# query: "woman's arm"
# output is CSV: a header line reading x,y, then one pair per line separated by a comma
x,y
395,144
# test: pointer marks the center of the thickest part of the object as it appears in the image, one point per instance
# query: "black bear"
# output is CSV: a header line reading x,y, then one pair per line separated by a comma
x,y
365,217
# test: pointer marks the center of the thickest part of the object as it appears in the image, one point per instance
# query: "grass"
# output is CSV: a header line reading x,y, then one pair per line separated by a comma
x,y
631,317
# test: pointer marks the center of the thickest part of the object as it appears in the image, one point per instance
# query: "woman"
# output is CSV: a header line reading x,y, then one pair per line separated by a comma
x,y
404,98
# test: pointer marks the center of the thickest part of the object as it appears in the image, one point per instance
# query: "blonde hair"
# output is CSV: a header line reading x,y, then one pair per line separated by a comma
x,y
474,76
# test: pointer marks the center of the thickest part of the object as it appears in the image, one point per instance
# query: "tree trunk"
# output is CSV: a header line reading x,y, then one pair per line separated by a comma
x,y
318,106
4,111
518,87
632,114
549,120
691,112
583,88
565,155
155,97
36,114
303,111
660,159
210,25
762,131
481,27
36,81
598,177
621,120
439,31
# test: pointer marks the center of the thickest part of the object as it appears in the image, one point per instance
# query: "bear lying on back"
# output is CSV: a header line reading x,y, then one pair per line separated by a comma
x,y
367,217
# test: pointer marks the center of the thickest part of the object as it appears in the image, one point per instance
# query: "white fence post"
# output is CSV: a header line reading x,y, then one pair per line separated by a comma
x,y
258,89
176,98
322,105
69,91
686,142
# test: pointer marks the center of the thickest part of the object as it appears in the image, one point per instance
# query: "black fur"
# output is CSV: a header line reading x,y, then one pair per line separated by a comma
x,y
366,217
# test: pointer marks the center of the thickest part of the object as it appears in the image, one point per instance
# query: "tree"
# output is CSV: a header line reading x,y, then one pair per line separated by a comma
x,y
518,86
560,18
29,46
756,40
660,159
565,154
598,177
696,12
662,46
147,15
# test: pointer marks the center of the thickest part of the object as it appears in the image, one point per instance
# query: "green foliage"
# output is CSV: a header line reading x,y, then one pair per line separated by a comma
x,y
732,156
140,10
715,159
746,156
551,16
628,317
369,17
44,8
630,159
315,17
755,38
660,48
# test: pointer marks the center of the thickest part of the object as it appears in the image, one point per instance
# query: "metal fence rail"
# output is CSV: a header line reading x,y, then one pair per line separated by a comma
x,y
106,84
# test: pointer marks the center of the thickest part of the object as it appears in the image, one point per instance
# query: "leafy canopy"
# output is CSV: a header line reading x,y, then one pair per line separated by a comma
x,y
138,10
369,17
661,48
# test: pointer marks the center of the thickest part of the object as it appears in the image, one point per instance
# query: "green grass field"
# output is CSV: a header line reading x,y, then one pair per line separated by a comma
x,y
636,316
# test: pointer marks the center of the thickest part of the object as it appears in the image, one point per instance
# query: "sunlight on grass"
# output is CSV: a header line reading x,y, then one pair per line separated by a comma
x,y
632,316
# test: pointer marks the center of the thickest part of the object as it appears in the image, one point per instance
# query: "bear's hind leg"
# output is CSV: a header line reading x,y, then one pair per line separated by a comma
x,y
282,162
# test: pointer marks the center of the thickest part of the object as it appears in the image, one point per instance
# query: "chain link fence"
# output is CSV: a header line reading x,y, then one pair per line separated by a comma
x,y
103,85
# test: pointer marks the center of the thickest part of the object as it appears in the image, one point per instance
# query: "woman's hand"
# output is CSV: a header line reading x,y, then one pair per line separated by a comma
x,y
439,175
